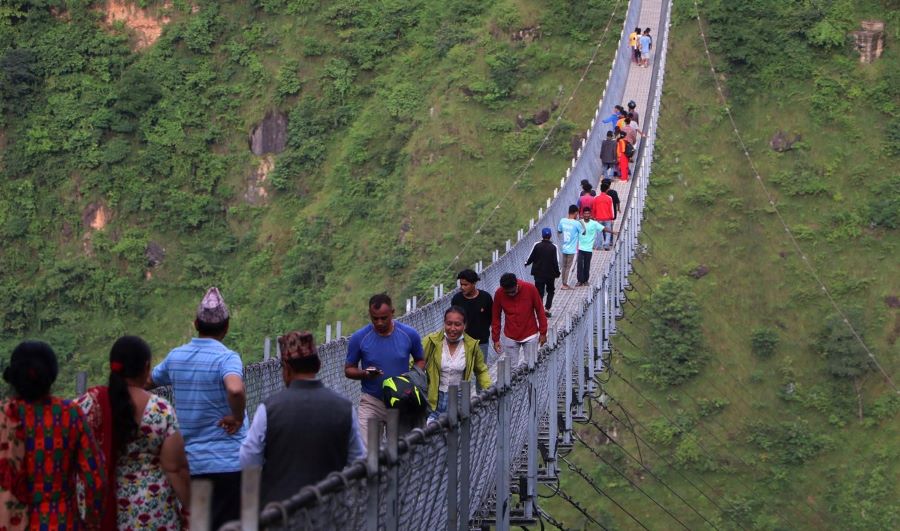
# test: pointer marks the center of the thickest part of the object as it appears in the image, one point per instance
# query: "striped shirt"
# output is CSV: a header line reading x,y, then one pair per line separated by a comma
x,y
196,372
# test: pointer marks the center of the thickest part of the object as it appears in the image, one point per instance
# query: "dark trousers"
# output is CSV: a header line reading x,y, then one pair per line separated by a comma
x,y
226,497
584,265
548,284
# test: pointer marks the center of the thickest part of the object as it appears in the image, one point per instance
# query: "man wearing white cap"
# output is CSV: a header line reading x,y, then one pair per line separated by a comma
x,y
208,382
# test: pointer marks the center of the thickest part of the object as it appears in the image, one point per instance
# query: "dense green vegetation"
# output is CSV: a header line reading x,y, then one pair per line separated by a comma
x,y
786,424
397,111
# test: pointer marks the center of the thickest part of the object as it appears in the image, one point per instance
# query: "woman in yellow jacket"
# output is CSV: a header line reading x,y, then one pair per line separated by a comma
x,y
450,358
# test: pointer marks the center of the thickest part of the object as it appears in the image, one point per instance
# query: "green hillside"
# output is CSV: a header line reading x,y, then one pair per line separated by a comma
x,y
731,362
402,137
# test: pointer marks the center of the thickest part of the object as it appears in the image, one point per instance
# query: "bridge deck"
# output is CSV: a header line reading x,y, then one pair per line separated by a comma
x,y
637,88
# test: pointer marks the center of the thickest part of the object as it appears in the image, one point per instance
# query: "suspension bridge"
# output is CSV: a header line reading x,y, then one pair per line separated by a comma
x,y
481,465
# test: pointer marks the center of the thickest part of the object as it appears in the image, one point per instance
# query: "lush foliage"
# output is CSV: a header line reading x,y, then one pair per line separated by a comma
x,y
676,340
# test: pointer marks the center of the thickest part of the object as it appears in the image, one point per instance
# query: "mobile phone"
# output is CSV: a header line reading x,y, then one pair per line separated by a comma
x,y
373,370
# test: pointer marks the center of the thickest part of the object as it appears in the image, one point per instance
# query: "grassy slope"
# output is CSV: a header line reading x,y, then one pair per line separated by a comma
x,y
705,207
426,205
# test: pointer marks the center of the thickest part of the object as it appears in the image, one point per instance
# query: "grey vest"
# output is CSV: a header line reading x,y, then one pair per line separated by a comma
x,y
307,437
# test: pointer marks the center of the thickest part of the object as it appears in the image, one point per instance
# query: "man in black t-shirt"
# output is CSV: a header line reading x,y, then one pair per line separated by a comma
x,y
478,305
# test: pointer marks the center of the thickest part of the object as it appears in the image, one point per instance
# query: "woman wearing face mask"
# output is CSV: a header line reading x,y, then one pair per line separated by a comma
x,y
451,357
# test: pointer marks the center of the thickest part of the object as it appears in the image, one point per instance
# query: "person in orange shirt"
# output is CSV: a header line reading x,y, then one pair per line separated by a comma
x,y
623,159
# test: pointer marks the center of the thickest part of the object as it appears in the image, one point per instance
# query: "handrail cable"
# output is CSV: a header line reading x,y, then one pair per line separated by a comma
x,y
770,198
545,140
631,482
575,468
644,467
574,503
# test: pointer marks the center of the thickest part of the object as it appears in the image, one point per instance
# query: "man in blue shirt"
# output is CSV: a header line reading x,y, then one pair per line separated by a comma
x,y
569,231
586,243
208,383
377,351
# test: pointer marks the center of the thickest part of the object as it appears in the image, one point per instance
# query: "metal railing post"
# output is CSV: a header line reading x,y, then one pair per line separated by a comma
x,y
553,415
578,363
393,474
452,458
80,383
503,420
372,479
465,440
567,388
250,478
531,444
201,504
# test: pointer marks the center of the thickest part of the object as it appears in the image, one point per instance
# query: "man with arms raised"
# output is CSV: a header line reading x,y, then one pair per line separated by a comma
x,y
208,382
377,351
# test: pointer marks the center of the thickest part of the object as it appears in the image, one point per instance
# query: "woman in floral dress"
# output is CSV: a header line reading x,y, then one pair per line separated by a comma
x,y
152,478
58,448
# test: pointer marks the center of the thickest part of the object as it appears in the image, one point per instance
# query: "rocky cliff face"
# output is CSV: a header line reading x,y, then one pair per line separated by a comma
x,y
869,40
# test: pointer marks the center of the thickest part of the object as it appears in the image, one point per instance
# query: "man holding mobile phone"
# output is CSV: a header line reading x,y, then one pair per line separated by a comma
x,y
380,350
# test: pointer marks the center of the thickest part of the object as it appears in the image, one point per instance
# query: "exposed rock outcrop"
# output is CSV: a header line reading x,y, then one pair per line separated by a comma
x,y
869,40
781,143
146,25
154,254
270,135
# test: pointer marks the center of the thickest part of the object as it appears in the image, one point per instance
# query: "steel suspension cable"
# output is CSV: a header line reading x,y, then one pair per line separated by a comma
x,y
575,468
574,503
765,189
631,482
646,469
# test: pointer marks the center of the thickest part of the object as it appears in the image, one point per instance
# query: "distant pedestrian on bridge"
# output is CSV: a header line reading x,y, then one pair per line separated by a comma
x,y
380,350
622,147
608,156
477,304
645,43
207,379
586,197
544,262
613,118
569,230
452,356
605,213
612,194
525,325
635,45
302,433
634,114
590,229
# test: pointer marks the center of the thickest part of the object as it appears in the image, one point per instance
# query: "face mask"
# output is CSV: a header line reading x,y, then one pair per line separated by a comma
x,y
451,340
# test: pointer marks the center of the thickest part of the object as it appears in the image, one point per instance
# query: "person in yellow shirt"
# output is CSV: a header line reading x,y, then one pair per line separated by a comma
x,y
633,43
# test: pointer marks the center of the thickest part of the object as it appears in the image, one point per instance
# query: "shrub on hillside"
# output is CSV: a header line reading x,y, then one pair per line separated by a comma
x,y
787,443
884,205
676,340
763,342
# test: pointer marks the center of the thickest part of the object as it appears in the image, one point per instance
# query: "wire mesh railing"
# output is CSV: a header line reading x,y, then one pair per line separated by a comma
x,y
477,452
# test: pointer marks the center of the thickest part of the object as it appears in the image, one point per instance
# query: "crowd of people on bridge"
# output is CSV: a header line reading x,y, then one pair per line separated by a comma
x,y
119,457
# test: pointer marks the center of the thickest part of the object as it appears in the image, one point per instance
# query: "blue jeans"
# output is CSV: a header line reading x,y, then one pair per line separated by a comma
x,y
486,350
442,402
607,236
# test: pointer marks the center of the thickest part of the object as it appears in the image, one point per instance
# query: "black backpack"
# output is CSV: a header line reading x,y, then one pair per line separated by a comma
x,y
406,392
629,150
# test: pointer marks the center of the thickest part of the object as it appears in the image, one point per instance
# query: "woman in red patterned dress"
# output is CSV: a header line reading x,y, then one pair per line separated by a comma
x,y
58,444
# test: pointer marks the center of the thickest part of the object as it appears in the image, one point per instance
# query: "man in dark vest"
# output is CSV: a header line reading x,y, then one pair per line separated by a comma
x,y
301,434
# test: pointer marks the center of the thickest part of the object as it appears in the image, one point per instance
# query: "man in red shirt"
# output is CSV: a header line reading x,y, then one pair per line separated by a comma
x,y
603,212
526,322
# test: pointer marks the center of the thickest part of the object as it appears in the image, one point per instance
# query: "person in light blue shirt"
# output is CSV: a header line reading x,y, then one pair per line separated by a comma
x,y
569,231
587,241
207,380
377,351
304,432
645,42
